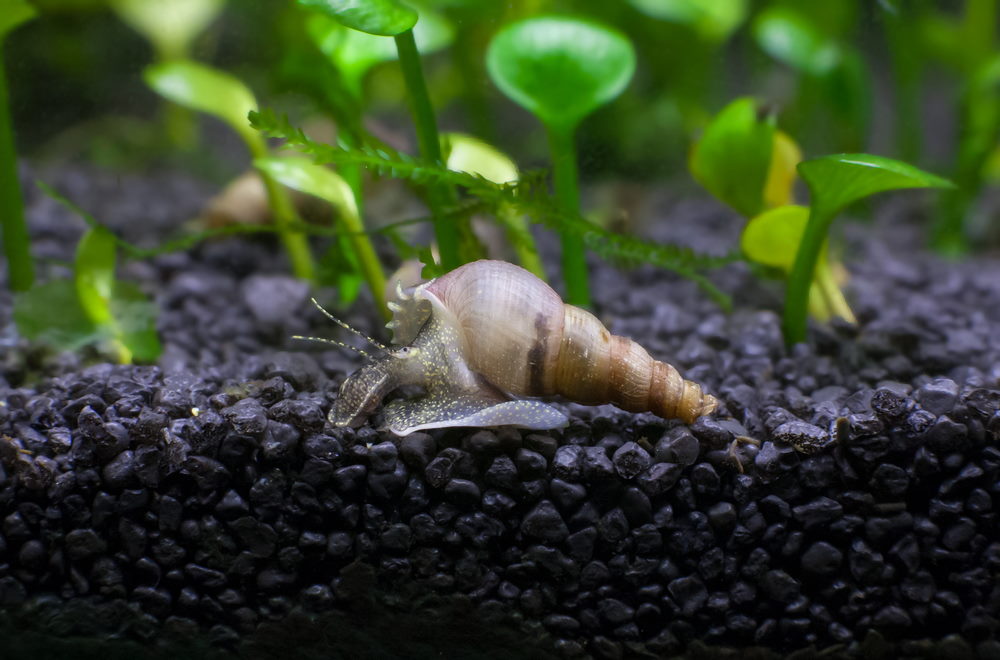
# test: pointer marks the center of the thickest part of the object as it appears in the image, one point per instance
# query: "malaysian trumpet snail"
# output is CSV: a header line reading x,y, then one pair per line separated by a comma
x,y
482,336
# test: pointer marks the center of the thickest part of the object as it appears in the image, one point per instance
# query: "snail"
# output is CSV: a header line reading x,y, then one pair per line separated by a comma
x,y
481,337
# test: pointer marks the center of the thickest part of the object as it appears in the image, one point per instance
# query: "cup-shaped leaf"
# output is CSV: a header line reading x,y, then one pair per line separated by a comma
x,y
714,20
782,173
204,89
772,238
94,273
732,158
354,53
561,69
385,18
790,37
464,153
169,25
840,179
13,13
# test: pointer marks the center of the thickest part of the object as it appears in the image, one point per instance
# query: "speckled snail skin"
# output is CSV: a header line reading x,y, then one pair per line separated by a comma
x,y
488,332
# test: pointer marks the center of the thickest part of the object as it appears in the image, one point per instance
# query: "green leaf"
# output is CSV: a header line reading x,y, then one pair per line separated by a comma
x,y
561,69
772,238
355,53
790,37
840,179
170,26
303,175
51,313
733,156
13,13
714,20
135,322
385,18
94,273
465,153
204,89
781,174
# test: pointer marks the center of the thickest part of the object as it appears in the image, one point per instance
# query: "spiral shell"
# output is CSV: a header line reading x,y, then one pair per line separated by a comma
x,y
516,332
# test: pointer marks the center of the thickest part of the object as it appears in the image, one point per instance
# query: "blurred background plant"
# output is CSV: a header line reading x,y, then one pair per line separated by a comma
x,y
379,80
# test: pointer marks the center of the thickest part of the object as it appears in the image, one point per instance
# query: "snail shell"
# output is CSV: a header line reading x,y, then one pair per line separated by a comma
x,y
489,331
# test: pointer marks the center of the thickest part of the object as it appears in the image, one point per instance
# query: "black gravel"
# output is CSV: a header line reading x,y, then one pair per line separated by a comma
x,y
206,500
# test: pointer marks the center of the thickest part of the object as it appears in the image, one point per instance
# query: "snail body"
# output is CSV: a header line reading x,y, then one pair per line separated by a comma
x,y
489,332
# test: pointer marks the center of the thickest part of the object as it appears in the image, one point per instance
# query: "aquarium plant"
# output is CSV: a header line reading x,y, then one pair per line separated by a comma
x,y
389,18
171,28
20,269
354,246
835,182
94,307
214,92
561,70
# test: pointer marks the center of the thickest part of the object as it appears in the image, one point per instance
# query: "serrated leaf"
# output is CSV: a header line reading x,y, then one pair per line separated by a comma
x,y
135,322
51,313
13,13
840,179
561,69
772,238
733,156
714,20
385,18
204,89
790,37
94,273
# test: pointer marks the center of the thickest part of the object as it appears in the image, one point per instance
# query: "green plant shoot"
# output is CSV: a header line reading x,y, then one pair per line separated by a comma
x,y
468,154
561,70
773,238
20,268
213,92
834,182
303,175
390,18
93,307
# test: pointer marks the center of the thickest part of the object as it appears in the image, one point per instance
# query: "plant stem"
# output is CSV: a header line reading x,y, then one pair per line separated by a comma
x,y
296,244
801,277
567,189
371,268
21,270
429,143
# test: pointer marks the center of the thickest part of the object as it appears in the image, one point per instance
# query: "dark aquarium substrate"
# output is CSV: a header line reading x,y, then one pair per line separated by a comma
x,y
204,507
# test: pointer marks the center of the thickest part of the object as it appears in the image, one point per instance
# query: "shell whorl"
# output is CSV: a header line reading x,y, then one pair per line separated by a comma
x,y
519,335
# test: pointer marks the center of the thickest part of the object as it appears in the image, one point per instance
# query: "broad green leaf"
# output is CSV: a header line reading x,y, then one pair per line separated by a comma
x,y
785,157
204,89
772,238
94,273
385,18
733,156
790,37
303,175
464,153
51,313
714,20
170,25
135,322
561,69
355,53
840,179
13,13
